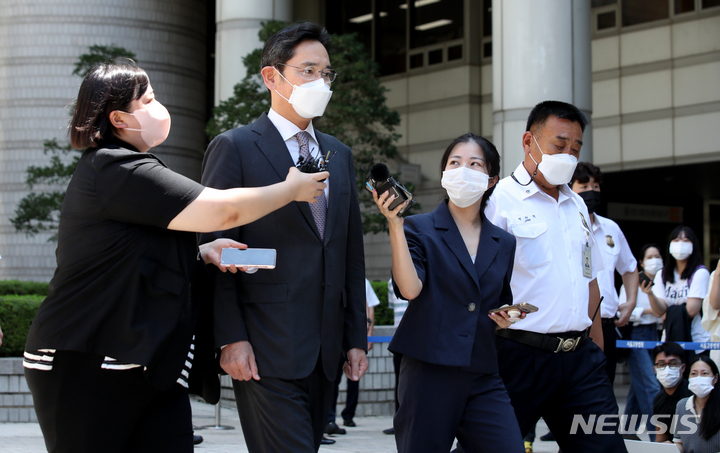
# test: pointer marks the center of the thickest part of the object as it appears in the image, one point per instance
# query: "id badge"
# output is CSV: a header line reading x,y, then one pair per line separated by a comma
x,y
587,261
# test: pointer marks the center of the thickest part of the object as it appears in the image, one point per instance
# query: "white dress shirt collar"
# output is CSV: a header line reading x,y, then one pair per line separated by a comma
x,y
522,175
287,128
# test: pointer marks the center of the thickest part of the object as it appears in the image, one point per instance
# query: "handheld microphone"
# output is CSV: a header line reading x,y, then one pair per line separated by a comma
x,y
315,164
380,180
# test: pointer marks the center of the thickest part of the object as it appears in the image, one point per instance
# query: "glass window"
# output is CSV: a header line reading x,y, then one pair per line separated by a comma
x,y
599,3
641,11
382,27
606,20
684,6
390,38
487,18
435,21
455,52
710,3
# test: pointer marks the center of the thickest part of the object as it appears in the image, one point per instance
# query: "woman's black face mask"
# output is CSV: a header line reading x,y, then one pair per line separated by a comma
x,y
592,200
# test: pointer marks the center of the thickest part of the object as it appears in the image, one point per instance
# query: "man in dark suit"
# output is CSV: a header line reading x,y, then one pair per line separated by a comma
x,y
282,330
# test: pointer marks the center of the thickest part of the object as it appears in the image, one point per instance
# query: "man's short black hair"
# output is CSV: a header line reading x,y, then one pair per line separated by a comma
x,y
280,47
584,171
670,348
544,110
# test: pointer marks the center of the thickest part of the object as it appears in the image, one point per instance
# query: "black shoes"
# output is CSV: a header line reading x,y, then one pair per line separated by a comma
x,y
333,428
327,441
389,430
349,422
197,439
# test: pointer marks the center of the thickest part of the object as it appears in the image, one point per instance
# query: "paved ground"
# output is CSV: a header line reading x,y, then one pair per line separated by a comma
x,y
366,437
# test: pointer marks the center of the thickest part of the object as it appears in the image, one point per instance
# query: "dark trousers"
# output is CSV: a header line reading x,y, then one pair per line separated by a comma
x,y
351,396
439,403
83,408
284,415
610,347
557,387
397,360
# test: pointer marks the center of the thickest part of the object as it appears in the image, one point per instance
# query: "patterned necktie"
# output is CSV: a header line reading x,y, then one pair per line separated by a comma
x,y
319,209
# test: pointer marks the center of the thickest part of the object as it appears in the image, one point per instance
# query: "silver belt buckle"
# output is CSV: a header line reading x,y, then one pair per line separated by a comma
x,y
567,344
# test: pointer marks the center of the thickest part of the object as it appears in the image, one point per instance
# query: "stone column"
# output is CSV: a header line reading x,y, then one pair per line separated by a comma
x,y
39,44
541,51
238,24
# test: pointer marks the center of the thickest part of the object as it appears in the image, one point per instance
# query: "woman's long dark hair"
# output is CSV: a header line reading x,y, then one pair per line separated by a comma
x,y
710,421
106,88
693,261
492,160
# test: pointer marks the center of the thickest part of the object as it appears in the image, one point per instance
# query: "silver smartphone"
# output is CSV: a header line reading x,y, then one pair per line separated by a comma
x,y
260,258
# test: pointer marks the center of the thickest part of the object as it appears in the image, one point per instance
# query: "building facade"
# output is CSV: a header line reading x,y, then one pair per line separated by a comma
x,y
646,72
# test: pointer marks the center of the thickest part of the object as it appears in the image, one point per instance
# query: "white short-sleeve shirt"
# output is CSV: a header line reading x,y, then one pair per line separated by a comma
x,y
679,292
616,256
370,297
548,269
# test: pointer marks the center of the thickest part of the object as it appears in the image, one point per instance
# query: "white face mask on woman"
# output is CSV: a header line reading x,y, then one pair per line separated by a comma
x,y
154,122
681,250
464,186
701,386
557,168
652,265
309,99
668,377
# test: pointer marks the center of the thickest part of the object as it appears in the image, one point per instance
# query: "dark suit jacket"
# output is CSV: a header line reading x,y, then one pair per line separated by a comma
x,y
313,302
441,326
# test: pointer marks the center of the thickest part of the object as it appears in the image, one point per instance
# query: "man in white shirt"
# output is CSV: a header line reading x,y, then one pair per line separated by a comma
x,y
616,256
549,365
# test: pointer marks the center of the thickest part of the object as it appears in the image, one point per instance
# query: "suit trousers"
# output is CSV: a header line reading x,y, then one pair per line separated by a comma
x,y
352,394
284,415
610,347
558,386
84,408
439,403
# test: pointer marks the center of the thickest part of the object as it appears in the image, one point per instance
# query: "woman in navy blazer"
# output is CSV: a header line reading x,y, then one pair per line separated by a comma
x,y
454,266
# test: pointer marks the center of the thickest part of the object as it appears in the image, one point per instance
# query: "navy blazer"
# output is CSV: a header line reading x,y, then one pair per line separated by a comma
x,y
448,323
313,302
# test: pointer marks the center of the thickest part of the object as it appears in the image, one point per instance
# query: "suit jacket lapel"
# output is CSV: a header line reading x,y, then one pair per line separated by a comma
x,y
487,248
453,239
275,150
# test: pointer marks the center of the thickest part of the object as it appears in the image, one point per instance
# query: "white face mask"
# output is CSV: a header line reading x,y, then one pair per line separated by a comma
x,y
464,186
309,99
681,250
557,168
652,265
154,122
668,377
701,386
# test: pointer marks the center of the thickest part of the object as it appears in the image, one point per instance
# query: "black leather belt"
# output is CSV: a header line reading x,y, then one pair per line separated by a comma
x,y
553,342
608,321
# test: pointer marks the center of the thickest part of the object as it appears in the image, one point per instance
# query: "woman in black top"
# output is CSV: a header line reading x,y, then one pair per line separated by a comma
x,y
107,354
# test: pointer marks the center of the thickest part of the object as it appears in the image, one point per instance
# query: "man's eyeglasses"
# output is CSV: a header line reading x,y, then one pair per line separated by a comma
x,y
672,365
328,75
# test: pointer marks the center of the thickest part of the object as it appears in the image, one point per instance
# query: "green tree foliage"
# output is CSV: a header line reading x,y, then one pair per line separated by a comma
x,y
38,211
357,114
384,315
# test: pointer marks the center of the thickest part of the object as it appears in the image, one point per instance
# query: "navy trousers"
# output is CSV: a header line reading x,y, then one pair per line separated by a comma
x,y
558,386
439,403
